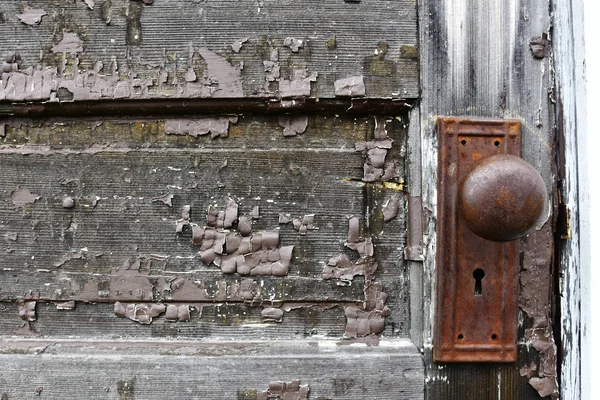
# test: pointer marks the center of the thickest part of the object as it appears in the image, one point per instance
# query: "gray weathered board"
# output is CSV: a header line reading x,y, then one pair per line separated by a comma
x,y
67,49
118,243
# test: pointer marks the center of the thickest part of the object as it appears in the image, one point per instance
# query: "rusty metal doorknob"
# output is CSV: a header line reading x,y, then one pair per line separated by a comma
x,y
502,198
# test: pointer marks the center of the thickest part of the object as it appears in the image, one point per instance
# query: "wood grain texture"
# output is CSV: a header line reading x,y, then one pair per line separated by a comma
x,y
576,244
476,61
124,49
125,248
193,370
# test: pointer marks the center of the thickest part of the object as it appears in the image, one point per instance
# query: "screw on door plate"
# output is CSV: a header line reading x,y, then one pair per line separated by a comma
x,y
477,278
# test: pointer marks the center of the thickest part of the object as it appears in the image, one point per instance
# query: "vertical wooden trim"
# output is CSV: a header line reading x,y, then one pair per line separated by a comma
x,y
568,50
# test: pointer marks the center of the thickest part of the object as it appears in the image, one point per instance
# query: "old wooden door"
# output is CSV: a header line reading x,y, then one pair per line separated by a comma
x,y
237,199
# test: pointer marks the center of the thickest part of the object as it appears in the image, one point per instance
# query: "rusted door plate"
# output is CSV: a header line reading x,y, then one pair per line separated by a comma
x,y
476,305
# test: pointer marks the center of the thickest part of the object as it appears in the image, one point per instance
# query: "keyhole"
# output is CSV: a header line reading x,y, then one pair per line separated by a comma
x,y
478,274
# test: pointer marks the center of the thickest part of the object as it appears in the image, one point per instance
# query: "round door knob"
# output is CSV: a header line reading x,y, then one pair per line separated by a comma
x,y
502,198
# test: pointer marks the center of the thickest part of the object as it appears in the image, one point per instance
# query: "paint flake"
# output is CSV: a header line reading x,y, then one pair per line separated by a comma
x,y
298,85
293,125
236,46
285,390
350,87
69,44
216,126
31,16
22,196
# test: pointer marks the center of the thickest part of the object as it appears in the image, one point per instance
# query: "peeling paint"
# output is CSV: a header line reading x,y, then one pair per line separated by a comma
x,y
302,225
285,390
66,305
26,331
216,126
298,85
272,314
26,309
236,46
540,46
391,207
377,166
343,270
31,16
352,86
241,252
140,312
180,313
164,198
22,196
223,79
371,320
293,43
293,125
184,220
70,43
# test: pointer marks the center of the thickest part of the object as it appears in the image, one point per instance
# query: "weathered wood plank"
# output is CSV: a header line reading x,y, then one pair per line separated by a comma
x,y
186,48
223,370
117,241
574,187
234,321
476,61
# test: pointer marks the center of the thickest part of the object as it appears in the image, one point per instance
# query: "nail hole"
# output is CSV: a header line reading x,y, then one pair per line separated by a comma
x,y
460,336
497,143
494,336
463,142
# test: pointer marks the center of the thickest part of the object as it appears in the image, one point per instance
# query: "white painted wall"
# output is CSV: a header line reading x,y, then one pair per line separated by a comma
x,y
591,156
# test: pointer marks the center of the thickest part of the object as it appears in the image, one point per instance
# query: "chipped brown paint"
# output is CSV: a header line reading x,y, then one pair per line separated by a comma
x,y
370,318
302,225
257,254
236,46
534,296
272,314
216,126
22,196
391,207
27,309
285,390
293,43
298,85
293,125
31,16
377,166
352,86
140,312
165,199
220,79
